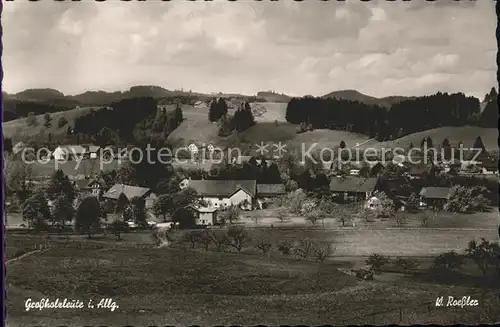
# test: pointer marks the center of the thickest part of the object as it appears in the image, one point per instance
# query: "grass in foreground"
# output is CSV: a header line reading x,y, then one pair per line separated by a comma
x,y
179,286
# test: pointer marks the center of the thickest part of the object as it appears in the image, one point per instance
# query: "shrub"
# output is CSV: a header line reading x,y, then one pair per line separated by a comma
x,y
237,237
376,262
62,121
323,251
424,220
263,246
192,238
285,248
449,261
467,199
406,264
304,249
220,240
401,220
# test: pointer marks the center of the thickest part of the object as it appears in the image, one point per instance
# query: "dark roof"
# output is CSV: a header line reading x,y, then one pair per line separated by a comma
x,y
435,192
270,189
352,184
129,191
223,187
85,183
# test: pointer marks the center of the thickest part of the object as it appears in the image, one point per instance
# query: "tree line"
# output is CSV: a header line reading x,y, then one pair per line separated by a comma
x,y
405,117
241,120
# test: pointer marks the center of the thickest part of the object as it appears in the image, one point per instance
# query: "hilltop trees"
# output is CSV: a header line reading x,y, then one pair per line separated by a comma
x,y
122,118
405,117
218,108
243,117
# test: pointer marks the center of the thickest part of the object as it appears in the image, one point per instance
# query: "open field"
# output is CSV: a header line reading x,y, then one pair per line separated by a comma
x,y
271,111
466,134
18,129
483,220
177,286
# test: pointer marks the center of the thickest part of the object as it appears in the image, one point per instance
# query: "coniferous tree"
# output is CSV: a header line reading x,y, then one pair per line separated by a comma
x,y
214,111
478,144
60,184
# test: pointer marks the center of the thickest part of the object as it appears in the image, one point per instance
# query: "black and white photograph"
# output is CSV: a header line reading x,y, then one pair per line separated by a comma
x,y
250,162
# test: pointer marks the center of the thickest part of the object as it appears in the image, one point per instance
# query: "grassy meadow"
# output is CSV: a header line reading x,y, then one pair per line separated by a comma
x,y
182,286
19,130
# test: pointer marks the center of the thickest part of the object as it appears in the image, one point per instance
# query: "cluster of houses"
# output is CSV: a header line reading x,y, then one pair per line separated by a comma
x,y
217,194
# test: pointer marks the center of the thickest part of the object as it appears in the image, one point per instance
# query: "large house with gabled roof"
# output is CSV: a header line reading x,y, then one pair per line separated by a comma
x,y
352,188
224,193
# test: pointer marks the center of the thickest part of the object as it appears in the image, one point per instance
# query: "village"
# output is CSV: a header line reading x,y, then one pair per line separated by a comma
x,y
361,182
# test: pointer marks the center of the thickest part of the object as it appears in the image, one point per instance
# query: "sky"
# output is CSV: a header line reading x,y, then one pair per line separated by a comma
x,y
313,47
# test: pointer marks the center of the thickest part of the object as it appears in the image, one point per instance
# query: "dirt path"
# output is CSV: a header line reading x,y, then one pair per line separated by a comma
x,y
22,256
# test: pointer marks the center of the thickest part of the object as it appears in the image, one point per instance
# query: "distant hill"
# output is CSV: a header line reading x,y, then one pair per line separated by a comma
x,y
271,96
38,95
354,95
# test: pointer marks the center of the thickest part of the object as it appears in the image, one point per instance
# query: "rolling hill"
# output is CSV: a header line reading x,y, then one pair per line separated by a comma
x,y
354,95
19,130
270,96
465,134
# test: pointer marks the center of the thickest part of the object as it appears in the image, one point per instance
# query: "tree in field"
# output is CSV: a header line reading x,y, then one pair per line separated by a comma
x,y
423,142
231,214
61,121
60,184
467,199
448,262
178,116
47,121
162,206
376,262
36,211
478,144
18,176
342,144
87,216
323,250
238,237
406,264
484,254
139,211
215,112
31,120
446,148
184,198
62,212
184,217
385,206
118,227
222,106
121,203
413,201
429,142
